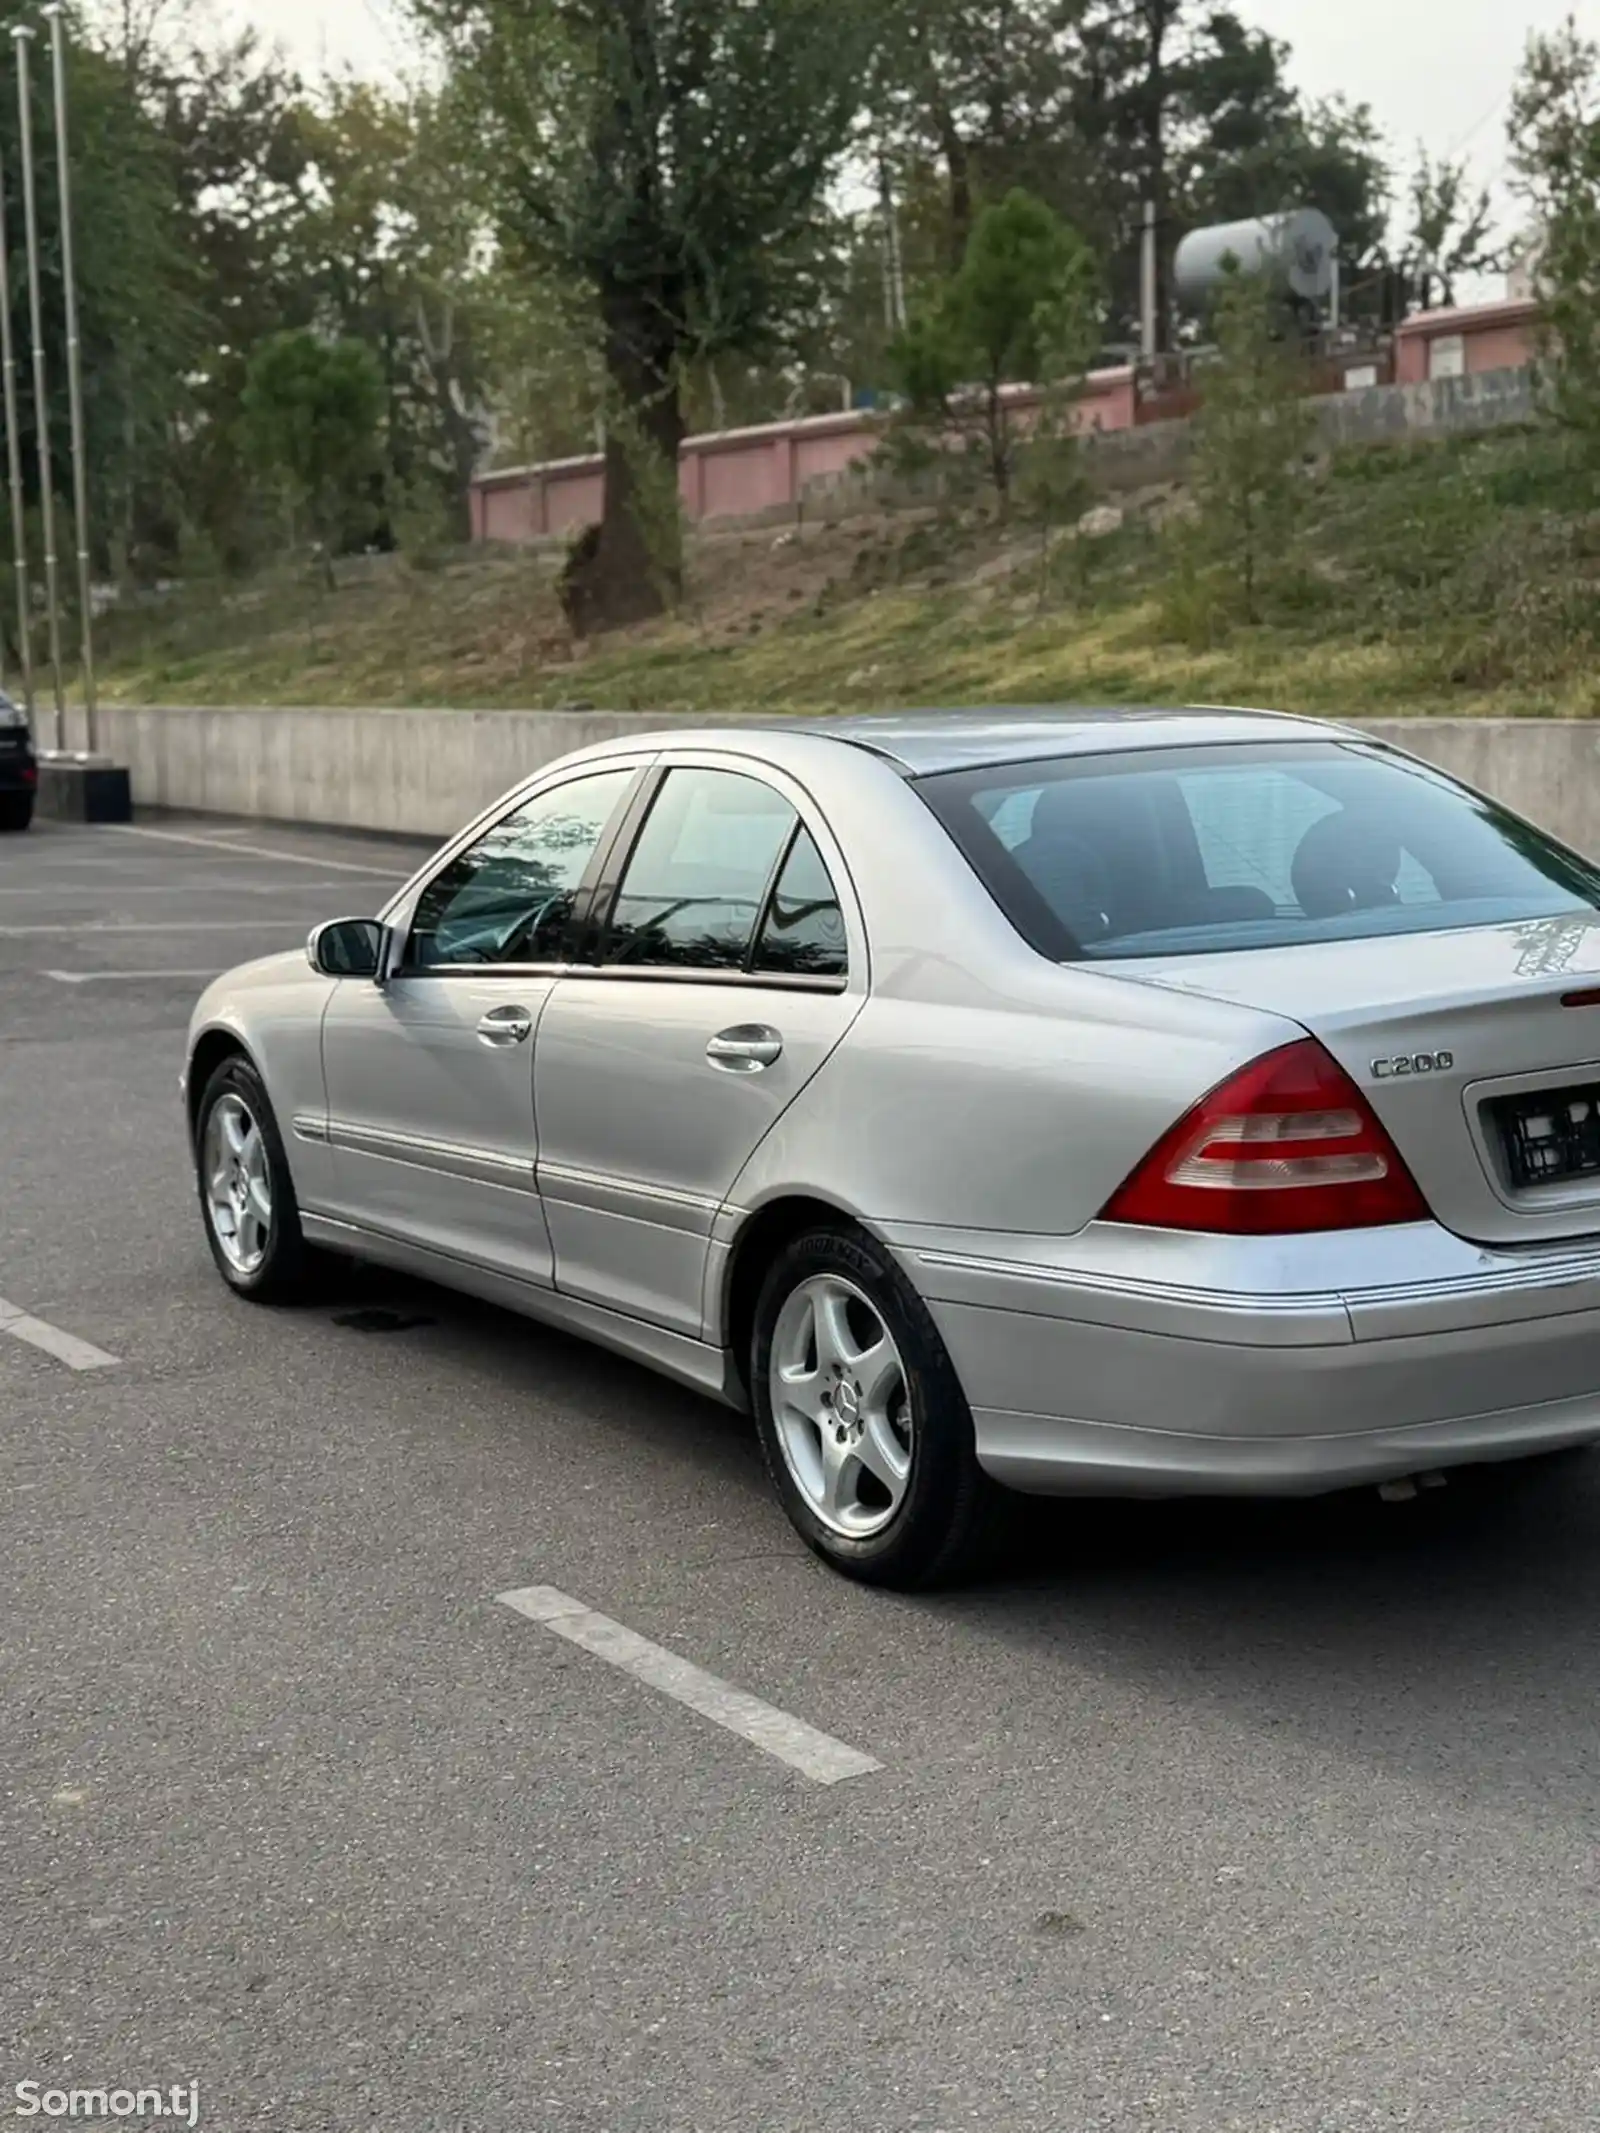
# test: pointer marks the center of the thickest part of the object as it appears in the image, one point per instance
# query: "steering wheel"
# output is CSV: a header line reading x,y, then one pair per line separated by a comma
x,y
526,930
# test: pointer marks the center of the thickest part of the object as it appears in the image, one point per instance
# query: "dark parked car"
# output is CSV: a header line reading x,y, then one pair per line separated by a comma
x,y
19,772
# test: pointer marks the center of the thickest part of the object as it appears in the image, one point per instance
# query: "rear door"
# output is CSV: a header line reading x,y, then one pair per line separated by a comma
x,y
430,1076
729,961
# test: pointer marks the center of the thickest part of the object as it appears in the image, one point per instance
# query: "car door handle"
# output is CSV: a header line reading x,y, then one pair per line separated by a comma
x,y
745,1049
505,1026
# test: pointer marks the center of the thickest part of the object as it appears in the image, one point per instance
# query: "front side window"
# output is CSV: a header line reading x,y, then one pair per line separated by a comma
x,y
509,897
697,880
1259,845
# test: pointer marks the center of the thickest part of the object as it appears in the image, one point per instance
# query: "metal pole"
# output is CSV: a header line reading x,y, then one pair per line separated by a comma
x,y
1147,284
19,524
23,38
55,16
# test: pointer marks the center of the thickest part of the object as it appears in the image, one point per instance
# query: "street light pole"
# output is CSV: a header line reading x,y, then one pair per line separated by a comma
x,y
19,523
23,38
55,16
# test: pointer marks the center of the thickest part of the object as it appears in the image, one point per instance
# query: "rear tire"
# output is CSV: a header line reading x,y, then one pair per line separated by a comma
x,y
863,1424
247,1197
16,811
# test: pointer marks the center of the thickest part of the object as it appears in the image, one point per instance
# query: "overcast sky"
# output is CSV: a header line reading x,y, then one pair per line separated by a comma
x,y
1434,70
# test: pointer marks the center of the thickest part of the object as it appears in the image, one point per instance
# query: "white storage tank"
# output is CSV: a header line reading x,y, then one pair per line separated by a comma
x,y
1299,250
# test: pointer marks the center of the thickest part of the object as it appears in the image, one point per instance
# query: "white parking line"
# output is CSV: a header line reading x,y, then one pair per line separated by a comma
x,y
147,925
260,851
100,977
65,1347
815,1755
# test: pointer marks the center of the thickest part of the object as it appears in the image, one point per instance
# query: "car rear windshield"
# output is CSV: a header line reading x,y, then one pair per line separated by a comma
x,y
1191,851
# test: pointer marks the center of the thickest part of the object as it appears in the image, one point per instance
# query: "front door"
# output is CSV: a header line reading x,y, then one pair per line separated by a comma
x,y
430,1076
723,980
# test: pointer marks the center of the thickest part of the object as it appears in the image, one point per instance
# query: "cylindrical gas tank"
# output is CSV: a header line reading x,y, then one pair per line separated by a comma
x,y
1296,249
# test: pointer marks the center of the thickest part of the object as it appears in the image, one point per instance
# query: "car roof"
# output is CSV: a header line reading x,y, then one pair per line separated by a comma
x,y
921,742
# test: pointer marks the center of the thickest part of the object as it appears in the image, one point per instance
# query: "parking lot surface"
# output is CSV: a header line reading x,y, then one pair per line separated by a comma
x,y
1279,1819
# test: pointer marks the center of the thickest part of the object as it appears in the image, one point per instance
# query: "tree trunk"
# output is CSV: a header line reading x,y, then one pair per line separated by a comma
x,y
636,568
957,163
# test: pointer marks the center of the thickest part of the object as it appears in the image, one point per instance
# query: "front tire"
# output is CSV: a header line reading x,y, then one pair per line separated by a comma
x,y
247,1198
16,812
863,1424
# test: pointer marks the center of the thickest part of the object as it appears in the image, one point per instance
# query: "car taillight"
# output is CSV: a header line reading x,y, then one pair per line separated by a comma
x,y
1286,1145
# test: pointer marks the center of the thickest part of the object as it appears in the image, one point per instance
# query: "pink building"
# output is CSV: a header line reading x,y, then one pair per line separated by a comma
x,y
736,473
1465,340
733,474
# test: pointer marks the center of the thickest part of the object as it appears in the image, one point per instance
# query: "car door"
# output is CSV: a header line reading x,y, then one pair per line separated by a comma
x,y
726,969
430,1074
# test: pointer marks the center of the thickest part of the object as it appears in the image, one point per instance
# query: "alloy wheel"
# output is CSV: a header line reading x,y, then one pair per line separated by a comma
x,y
238,1184
841,1404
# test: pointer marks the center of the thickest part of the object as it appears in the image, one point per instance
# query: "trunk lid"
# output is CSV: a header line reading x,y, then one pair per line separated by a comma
x,y
1500,1129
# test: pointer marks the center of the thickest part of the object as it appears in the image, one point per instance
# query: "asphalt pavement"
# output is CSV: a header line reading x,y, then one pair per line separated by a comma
x,y
1202,1819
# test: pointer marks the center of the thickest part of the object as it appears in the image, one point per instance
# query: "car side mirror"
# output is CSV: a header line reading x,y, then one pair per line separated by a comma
x,y
349,948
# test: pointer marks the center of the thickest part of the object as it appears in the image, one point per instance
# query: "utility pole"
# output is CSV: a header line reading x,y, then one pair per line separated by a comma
x,y
55,16
19,523
1148,283
23,38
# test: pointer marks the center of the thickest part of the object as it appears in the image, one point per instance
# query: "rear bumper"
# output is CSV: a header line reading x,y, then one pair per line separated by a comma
x,y
1127,1362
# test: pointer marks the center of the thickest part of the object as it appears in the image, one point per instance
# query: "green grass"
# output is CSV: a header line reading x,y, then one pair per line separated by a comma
x,y
1460,577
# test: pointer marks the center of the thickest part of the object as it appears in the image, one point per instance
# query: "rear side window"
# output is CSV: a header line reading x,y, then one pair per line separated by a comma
x,y
697,880
1190,851
802,934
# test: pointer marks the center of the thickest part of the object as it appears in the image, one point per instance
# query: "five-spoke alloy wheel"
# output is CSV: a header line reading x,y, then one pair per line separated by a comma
x,y
246,1193
238,1184
866,1433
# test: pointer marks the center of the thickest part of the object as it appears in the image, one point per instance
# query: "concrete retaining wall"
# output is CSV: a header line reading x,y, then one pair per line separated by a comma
x,y
426,772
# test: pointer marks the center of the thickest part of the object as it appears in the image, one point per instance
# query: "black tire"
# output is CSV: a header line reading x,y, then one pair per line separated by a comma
x,y
288,1262
949,1516
16,811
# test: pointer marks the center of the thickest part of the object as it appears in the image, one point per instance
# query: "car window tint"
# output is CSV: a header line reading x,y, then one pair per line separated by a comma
x,y
1250,845
803,933
508,898
697,878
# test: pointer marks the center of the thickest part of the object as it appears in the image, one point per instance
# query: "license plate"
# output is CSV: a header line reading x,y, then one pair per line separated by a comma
x,y
1551,1138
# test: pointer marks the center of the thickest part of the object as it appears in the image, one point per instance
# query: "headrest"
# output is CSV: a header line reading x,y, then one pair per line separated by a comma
x,y
1345,865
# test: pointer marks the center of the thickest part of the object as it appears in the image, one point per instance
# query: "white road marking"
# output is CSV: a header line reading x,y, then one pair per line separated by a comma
x,y
259,851
53,894
19,1325
816,1755
147,925
99,977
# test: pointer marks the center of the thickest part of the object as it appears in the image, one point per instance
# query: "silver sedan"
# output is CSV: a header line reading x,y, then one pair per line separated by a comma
x,y
1060,1102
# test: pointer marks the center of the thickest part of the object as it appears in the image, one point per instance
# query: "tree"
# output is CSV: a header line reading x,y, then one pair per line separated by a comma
x,y
310,414
1097,106
1250,438
670,157
1450,226
1024,307
1555,139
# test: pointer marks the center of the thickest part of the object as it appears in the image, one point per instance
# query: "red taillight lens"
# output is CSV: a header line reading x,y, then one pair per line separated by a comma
x,y
1289,1144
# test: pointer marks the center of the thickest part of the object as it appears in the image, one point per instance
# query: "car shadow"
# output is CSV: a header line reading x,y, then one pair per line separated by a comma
x,y
1451,1637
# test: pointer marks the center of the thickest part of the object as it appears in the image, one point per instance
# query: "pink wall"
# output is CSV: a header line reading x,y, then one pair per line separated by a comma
x,y
737,473
1494,337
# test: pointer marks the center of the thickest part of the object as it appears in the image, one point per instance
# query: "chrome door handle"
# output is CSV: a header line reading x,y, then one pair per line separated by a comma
x,y
502,1027
745,1049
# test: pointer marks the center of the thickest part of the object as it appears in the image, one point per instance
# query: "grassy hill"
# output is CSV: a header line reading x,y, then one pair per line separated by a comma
x,y
1459,576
